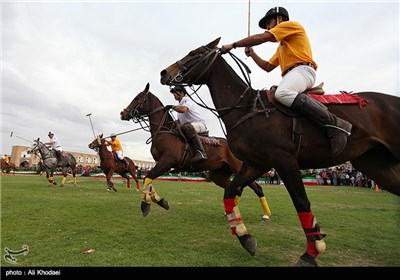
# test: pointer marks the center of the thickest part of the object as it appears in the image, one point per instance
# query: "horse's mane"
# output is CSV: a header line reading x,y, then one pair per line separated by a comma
x,y
170,118
229,69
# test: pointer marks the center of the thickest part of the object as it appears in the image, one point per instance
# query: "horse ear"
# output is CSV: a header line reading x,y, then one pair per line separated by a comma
x,y
147,87
214,43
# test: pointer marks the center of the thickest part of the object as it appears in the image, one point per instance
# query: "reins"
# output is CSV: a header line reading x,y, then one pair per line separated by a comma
x,y
136,118
45,153
221,112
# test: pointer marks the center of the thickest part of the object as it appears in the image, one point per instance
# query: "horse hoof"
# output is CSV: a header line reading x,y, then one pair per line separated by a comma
x,y
145,207
163,203
249,243
114,188
306,260
54,183
266,218
61,186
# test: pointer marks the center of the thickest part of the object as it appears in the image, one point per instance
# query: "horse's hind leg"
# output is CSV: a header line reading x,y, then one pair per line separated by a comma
x,y
128,179
289,171
137,181
73,169
64,177
263,200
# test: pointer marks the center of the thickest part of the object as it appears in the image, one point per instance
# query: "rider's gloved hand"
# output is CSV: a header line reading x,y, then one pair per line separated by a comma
x,y
168,107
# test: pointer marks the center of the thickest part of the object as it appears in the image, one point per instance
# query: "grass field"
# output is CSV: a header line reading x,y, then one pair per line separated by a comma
x,y
58,224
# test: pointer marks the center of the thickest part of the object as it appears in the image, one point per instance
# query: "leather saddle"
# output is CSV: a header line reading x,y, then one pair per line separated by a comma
x,y
288,111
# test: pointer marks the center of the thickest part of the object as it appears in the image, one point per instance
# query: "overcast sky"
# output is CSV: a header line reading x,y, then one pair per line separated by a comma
x,y
62,60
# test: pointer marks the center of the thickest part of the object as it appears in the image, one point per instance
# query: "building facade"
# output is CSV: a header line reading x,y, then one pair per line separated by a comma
x,y
21,158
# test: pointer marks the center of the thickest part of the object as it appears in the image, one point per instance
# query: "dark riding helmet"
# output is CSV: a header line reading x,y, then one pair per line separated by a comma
x,y
178,88
273,13
50,133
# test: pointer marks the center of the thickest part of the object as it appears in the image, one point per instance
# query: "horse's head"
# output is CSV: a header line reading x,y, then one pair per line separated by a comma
x,y
138,107
35,147
96,143
193,68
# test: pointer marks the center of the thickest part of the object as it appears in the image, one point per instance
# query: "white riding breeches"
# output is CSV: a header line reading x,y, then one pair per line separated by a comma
x,y
294,82
120,154
199,127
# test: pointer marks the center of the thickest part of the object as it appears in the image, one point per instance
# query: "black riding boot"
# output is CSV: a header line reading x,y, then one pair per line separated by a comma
x,y
126,163
58,155
191,134
200,153
337,129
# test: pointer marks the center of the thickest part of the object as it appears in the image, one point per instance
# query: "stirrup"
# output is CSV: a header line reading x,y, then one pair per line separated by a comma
x,y
338,128
199,156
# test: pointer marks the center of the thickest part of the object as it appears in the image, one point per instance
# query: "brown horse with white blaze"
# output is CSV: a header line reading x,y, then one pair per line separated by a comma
x,y
170,150
373,146
110,165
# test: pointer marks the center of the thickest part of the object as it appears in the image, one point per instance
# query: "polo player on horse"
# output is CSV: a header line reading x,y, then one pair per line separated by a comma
x,y
55,145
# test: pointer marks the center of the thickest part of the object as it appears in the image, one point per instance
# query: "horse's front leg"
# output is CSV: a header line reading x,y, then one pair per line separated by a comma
x,y
244,176
50,178
291,176
149,192
110,184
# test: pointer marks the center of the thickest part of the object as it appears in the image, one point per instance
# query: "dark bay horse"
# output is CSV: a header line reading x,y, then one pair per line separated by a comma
x,y
6,168
110,165
261,136
170,150
50,162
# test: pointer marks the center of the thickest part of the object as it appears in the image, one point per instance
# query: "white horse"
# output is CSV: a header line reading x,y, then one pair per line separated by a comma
x,y
50,162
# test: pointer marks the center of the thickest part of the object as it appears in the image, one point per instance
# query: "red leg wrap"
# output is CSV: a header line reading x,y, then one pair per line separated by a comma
x,y
306,220
229,203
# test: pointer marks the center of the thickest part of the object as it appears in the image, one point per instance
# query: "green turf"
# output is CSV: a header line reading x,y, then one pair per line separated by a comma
x,y
58,224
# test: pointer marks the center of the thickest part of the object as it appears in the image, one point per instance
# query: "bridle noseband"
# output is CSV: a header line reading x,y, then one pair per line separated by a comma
x,y
190,63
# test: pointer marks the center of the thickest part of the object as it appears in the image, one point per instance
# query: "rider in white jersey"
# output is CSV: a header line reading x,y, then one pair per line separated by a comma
x,y
191,120
55,145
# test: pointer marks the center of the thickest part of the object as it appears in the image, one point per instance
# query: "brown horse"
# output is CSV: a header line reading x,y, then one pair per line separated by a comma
x,y
6,168
110,164
170,150
373,147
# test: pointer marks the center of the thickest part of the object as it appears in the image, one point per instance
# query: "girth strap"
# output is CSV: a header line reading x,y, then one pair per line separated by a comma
x,y
297,133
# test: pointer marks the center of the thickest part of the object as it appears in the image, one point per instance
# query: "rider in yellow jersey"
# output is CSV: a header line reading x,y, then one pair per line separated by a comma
x,y
298,70
116,147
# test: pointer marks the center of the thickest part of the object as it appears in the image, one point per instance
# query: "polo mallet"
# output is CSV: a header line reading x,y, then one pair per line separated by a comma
x,y
91,124
124,132
248,21
11,134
